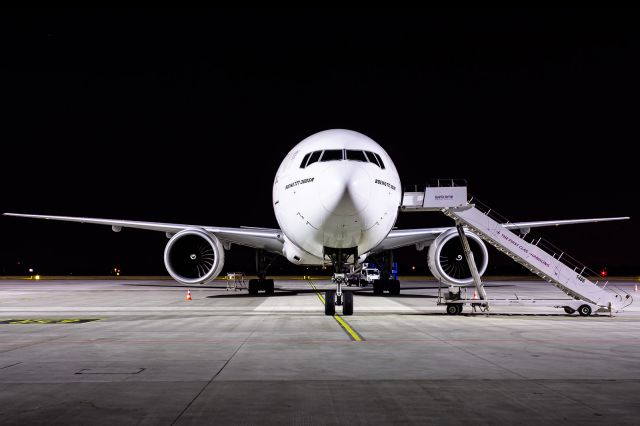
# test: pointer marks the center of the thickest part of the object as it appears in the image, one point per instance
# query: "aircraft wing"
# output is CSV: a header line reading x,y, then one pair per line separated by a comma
x,y
423,237
524,226
262,238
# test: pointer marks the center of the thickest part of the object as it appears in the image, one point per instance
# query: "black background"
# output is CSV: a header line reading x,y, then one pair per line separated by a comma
x,y
184,116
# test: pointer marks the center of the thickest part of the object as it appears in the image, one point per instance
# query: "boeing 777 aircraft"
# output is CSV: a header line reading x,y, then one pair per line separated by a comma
x,y
336,197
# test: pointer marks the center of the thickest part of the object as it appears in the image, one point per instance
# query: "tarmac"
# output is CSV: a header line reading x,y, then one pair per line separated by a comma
x,y
137,352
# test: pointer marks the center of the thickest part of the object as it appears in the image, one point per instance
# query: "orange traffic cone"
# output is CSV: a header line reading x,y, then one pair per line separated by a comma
x,y
188,294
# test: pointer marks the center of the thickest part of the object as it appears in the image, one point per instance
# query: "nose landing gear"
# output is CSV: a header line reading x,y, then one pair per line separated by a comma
x,y
339,257
338,298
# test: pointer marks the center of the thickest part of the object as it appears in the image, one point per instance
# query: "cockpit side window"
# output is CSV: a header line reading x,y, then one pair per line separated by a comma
x,y
303,164
313,157
379,160
372,158
356,155
331,155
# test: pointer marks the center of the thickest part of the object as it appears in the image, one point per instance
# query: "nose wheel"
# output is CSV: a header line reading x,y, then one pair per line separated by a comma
x,y
338,298
330,303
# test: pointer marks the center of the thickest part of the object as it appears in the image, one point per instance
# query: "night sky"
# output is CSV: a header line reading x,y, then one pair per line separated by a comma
x,y
184,116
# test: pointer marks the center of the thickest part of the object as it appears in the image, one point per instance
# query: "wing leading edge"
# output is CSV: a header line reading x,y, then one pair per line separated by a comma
x,y
422,237
262,238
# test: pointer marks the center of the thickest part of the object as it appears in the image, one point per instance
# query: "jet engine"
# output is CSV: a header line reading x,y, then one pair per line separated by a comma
x,y
447,261
193,256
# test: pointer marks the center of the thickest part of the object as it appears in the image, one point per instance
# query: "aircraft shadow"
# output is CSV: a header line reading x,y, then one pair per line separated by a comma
x,y
397,296
195,286
280,293
244,294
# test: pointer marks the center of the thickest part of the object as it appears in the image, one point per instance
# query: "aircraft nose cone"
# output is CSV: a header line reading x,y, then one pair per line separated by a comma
x,y
346,189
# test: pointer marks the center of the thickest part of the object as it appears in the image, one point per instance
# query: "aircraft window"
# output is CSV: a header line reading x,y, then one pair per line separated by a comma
x,y
372,158
332,154
356,155
314,157
304,161
379,160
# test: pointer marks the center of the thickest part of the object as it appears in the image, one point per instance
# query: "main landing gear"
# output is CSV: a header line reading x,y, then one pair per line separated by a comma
x,y
257,285
263,262
391,286
385,284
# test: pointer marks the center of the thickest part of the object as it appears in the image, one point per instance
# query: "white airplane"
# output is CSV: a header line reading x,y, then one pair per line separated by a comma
x,y
336,197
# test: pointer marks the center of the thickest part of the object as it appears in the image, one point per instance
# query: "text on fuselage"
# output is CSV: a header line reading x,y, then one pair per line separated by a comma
x,y
387,184
299,182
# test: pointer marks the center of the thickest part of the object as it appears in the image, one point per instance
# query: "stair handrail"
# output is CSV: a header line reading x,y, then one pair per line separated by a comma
x,y
561,255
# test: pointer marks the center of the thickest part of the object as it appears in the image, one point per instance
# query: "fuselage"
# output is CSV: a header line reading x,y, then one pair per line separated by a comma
x,y
336,189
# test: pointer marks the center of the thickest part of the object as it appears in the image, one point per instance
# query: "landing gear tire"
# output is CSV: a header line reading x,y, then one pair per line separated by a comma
x,y
569,310
268,286
378,287
253,286
330,303
394,287
347,303
584,310
454,309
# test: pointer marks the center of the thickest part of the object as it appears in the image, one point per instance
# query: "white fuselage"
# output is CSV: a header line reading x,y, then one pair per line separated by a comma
x,y
339,189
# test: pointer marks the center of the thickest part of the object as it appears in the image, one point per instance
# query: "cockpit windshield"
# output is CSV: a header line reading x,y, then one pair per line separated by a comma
x,y
331,155
356,155
341,154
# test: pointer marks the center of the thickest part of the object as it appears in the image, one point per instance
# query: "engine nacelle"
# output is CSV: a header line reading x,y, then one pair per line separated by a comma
x,y
447,261
193,256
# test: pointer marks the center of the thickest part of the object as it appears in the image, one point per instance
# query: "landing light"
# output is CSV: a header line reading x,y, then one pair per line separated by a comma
x,y
37,277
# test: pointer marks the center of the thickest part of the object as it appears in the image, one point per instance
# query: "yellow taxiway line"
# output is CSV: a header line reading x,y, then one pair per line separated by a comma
x,y
345,326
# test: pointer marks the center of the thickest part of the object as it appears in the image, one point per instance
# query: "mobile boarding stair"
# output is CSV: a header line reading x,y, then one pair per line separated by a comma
x,y
539,257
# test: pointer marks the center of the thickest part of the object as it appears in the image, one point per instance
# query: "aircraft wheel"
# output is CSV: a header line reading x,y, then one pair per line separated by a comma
x,y
330,303
569,310
394,287
268,286
378,287
584,310
253,286
347,303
